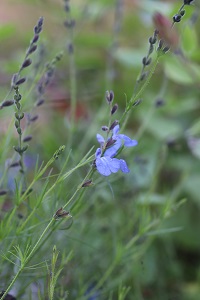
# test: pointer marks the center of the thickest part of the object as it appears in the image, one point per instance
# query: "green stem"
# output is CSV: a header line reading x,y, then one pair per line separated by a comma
x,y
135,97
27,259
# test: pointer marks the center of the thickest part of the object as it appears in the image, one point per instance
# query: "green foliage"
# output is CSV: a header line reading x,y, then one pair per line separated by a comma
x,y
126,236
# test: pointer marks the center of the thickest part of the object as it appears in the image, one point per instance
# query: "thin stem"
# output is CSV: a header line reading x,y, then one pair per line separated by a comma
x,y
135,97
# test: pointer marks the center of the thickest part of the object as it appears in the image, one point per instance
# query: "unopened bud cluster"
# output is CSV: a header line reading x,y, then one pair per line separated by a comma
x,y
19,115
109,98
58,152
46,79
69,23
16,80
177,17
146,60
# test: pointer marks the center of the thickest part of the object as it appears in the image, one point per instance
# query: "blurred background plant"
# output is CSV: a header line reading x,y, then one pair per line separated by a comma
x,y
128,236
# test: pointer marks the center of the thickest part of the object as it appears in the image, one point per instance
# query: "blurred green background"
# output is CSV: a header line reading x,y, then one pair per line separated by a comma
x,y
162,191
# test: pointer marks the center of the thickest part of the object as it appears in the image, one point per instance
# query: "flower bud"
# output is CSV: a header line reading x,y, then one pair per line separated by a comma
x,y
27,138
20,81
116,122
188,2
104,128
26,63
177,18
35,38
32,49
7,103
14,164
109,96
87,183
114,109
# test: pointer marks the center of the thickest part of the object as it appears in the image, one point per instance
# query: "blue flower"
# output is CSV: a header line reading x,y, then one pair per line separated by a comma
x,y
105,162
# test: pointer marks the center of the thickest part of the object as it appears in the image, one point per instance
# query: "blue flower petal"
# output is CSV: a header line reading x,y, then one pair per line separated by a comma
x,y
114,164
100,139
127,141
115,130
123,166
103,166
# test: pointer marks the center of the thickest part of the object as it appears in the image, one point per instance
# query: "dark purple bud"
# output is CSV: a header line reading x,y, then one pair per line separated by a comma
x,y
87,183
35,38
114,109
27,138
20,81
33,119
40,21
32,49
7,103
104,128
166,49
37,29
3,192
40,102
110,142
188,2
116,122
109,96
15,164
177,18
61,213
26,63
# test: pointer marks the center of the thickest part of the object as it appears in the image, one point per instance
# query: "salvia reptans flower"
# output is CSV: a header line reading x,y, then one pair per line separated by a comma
x,y
106,161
